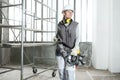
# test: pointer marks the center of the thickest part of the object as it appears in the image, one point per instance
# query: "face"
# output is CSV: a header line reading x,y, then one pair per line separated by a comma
x,y
68,14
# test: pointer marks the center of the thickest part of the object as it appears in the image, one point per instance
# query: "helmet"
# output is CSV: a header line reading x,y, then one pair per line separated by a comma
x,y
67,7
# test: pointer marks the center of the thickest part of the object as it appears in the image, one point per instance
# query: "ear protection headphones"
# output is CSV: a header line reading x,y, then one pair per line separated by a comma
x,y
67,20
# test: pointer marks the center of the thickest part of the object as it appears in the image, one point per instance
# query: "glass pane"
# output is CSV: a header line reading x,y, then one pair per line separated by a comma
x,y
49,37
11,1
29,6
16,1
11,13
44,25
11,22
33,6
44,12
53,27
38,37
39,10
28,19
49,26
45,2
52,36
54,5
11,36
38,24
17,14
45,36
17,22
28,36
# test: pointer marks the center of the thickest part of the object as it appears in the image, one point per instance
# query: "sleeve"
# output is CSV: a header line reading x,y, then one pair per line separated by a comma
x,y
77,37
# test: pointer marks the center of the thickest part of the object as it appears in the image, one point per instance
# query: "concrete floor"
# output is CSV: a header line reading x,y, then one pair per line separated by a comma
x,y
82,73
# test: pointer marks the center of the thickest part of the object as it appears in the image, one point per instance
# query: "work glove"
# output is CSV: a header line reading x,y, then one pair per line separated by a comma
x,y
75,52
55,39
64,53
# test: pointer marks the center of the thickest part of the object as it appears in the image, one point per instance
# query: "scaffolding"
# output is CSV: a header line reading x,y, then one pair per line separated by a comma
x,y
22,29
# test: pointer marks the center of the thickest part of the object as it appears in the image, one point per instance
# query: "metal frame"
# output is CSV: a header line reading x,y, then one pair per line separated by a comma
x,y
10,5
42,19
35,18
86,20
81,21
22,36
74,10
3,26
23,29
9,26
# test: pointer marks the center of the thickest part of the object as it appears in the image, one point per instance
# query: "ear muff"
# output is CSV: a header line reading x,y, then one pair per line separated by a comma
x,y
67,20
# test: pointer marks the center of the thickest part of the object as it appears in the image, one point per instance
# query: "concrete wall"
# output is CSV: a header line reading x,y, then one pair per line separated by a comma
x,y
45,54
86,51
4,56
4,36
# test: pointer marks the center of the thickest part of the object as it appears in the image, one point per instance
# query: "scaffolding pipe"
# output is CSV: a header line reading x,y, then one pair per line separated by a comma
x,y
25,20
81,21
35,22
56,14
87,20
10,6
42,20
31,23
22,36
74,10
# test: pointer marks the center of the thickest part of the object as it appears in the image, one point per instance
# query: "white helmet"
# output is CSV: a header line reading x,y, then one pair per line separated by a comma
x,y
67,7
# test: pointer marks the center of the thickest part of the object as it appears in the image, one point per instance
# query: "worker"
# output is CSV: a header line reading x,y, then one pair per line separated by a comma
x,y
68,38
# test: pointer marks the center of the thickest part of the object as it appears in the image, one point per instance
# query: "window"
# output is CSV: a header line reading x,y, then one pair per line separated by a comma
x,y
40,20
